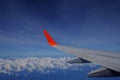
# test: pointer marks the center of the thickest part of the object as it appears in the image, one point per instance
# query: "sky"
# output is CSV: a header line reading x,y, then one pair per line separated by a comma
x,y
81,23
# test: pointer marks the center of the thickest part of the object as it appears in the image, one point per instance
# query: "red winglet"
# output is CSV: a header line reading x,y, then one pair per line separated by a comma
x,y
49,39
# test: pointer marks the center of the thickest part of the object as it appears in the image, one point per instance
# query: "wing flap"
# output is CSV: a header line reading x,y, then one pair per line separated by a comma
x,y
103,72
78,60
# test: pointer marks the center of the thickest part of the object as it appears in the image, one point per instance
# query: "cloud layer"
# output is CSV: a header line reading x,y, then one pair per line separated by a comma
x,y
30,64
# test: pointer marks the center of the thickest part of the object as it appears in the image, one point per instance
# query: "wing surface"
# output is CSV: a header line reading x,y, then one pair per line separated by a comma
x,y
108,59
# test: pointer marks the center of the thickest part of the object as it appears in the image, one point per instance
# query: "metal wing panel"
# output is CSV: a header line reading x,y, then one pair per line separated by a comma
x,y
94,56
104,58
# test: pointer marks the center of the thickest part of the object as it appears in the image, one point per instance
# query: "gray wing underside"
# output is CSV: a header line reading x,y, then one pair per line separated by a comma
x,y
107,59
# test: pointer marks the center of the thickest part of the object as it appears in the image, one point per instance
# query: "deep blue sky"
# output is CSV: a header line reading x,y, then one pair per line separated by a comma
x,y
81,23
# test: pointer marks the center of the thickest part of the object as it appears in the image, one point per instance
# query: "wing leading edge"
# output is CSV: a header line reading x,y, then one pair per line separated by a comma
x,y
107,59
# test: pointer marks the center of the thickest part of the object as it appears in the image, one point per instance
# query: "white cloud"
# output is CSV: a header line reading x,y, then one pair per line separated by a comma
x,y
44,65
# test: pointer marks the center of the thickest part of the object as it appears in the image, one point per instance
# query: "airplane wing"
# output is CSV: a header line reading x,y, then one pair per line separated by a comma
x,y
108,59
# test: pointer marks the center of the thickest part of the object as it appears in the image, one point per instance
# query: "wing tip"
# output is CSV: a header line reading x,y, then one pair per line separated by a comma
x,y
50,40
